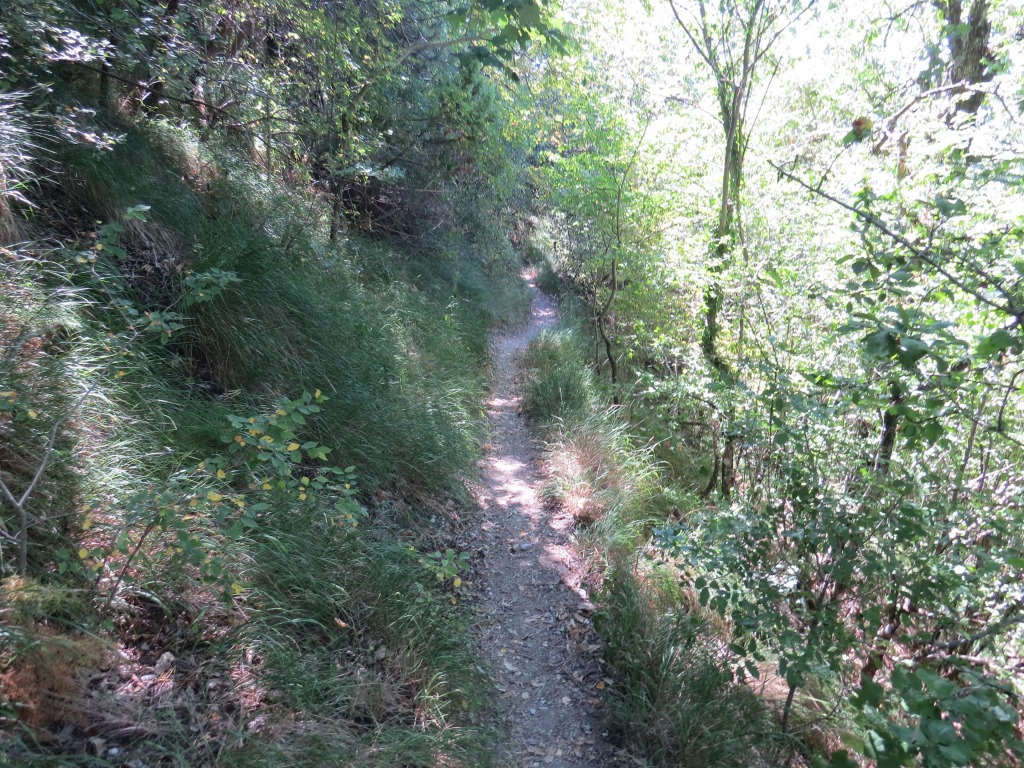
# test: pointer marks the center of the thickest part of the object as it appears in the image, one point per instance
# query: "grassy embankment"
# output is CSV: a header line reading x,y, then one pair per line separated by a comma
x,y
185,600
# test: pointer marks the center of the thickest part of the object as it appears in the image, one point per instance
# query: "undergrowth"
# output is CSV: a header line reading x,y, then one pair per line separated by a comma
x,y
166,613
560,386
403,364
597,471
365,660
675,701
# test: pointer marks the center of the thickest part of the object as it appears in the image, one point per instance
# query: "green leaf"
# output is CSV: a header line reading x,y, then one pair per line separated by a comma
x,y
776,278
136,213
939,686
841,759
860,266
529,16
995,343
950,206
958,754
881,344
870,694
910,351
931,431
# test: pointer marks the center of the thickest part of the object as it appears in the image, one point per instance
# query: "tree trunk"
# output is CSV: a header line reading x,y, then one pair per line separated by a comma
x,y
599,319
729,466
335,187
969,51
725,234
890,424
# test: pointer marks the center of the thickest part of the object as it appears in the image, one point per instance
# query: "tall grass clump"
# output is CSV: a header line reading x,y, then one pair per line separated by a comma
x,y
559,384
402,366
600,475
85,399
15,161
362,659
75,383
674,701
596,470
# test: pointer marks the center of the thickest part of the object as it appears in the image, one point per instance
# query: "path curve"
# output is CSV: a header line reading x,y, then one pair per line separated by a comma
x,y
535,620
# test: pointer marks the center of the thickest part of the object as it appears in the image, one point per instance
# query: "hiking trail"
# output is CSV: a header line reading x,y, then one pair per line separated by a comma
x,y
534,625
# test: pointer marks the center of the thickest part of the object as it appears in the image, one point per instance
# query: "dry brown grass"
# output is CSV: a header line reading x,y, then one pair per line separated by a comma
x,y
149,690
46,682
584,476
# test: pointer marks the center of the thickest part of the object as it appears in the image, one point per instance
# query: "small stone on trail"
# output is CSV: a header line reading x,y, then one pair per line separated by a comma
x,y
163,663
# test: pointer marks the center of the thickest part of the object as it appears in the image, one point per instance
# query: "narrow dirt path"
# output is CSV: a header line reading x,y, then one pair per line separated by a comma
x,y
534,623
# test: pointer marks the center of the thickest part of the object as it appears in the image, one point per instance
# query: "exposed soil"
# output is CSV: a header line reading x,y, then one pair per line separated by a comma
x,y
534,623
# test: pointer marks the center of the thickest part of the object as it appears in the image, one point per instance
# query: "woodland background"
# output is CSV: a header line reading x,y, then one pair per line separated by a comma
x,y
251,253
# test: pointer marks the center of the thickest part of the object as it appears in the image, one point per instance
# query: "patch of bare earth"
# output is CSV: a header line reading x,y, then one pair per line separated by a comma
x,y
534,626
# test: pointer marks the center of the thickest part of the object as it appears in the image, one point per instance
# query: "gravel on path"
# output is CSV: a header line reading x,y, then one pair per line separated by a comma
x,y
534,628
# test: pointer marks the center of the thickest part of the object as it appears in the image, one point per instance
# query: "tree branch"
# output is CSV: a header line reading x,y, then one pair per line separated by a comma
x,y
19,503
925,255
197,103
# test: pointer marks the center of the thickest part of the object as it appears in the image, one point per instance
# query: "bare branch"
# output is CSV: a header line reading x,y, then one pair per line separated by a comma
x,y
19,503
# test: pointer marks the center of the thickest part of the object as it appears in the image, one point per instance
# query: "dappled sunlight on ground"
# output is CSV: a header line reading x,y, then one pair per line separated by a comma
x,y
535,628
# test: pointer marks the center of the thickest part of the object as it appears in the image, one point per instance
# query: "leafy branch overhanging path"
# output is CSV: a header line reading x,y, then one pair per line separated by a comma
x,y
534,627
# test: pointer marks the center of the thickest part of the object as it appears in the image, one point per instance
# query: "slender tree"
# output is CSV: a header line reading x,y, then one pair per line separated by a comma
x,y
734,39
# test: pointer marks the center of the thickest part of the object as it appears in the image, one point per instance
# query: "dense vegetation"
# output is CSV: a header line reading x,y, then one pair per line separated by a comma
x,y
250,253
250,260
795,235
